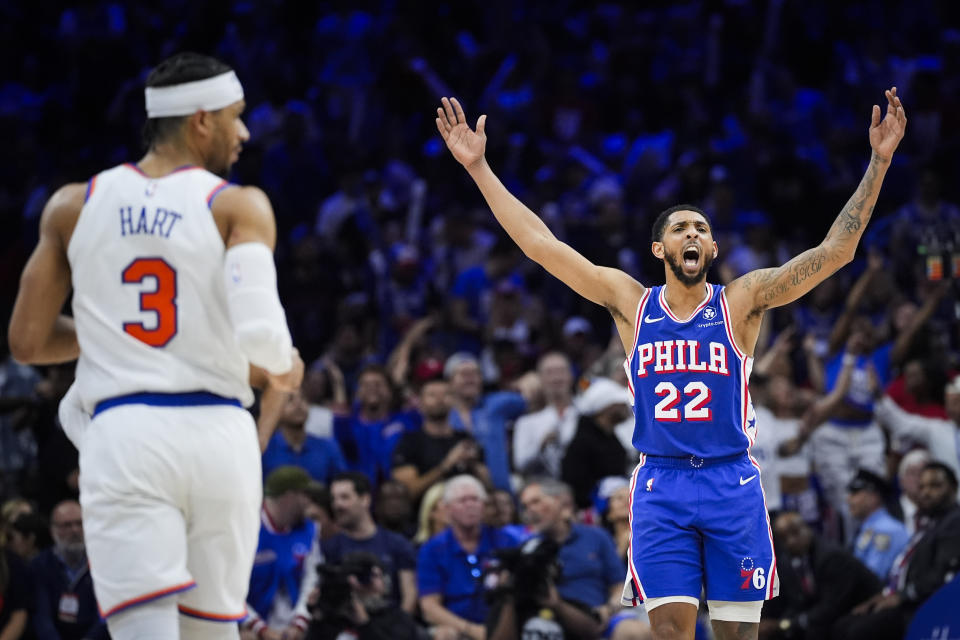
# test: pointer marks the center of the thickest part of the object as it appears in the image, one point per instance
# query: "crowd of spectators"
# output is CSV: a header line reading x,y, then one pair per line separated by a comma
x,y
459,400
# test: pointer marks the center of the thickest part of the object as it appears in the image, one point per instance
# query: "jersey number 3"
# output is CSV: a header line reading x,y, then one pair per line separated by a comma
x,y
162,300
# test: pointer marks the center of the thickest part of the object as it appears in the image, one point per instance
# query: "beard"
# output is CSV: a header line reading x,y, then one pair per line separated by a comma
x,y
684,279
221,167
73,552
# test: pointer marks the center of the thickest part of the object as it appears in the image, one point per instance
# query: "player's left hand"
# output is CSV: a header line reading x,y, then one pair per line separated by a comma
x,y
887,133
466,145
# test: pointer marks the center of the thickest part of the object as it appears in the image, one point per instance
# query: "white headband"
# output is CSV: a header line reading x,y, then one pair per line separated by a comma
x,y
188,98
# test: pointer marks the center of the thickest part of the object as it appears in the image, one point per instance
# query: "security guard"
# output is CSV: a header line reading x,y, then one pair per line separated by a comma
x,y
880,536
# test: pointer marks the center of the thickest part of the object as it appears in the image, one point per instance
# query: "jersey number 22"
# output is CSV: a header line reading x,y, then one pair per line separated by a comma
x,y
696,410
162,300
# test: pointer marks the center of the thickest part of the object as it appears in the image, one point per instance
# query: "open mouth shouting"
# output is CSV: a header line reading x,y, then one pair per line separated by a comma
x,y
690,256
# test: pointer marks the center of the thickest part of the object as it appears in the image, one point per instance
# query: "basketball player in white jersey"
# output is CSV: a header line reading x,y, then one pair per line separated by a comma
x,y
174,298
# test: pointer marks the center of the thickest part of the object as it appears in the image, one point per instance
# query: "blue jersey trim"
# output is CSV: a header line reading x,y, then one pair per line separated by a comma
x,y
90,185
188,399
216,191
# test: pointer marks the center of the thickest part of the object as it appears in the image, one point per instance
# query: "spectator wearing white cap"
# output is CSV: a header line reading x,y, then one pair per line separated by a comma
x,y
540,438
595,451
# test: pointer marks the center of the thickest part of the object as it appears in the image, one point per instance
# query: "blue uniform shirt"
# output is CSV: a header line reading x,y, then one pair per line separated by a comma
x,y
860,394
320,457
879,541
590,566
490,430
444,567
279,563
368,446
689,380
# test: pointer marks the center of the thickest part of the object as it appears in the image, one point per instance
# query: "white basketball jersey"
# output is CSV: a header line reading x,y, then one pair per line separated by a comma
x,y
149,298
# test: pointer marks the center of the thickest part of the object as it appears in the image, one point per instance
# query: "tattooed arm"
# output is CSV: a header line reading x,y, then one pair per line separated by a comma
x,y
755,292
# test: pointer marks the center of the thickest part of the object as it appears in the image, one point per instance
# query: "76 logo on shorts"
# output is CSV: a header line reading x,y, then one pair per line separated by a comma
x,y
751,576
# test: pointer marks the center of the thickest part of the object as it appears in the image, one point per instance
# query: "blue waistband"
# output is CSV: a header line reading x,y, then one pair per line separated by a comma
x,y
187,399
691,462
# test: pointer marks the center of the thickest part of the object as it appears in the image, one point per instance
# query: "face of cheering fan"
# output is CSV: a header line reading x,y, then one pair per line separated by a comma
x,y
687,246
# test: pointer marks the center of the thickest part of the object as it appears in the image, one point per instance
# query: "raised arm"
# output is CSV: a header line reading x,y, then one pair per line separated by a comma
x,y
932,298
841,329
611,288
755,292
821,410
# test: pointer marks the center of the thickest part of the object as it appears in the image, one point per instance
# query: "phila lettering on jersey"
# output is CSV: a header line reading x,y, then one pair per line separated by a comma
x,y
149,297
689,380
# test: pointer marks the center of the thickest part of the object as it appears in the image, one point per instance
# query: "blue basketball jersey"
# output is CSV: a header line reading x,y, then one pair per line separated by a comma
x,y
689,380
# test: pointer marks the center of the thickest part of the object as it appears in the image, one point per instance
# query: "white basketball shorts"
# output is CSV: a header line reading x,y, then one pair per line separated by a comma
x,y
171,502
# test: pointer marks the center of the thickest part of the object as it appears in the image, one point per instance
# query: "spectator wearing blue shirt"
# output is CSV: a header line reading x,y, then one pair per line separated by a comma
x,y
849,437
350,493
368,435
287,553
485,416
592,572
450,565
880,537
66,608
292,445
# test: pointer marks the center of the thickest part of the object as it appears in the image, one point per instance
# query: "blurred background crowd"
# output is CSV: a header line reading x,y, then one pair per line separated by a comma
x,y
436,350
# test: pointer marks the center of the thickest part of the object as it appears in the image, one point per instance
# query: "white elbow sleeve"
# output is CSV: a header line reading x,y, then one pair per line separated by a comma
x,y
255,311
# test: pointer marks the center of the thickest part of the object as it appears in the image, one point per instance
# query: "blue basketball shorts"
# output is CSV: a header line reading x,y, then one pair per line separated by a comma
x,y
699,524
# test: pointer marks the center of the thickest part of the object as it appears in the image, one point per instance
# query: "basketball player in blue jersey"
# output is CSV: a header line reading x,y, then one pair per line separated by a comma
x,y
697,511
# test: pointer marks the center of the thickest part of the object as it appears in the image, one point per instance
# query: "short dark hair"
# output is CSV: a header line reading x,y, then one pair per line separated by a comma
x,y
661,222
177,69
933,465
429,381
360,481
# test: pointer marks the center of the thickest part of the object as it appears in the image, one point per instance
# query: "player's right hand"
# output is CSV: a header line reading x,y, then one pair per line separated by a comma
x,y
292,379
466,145
886,133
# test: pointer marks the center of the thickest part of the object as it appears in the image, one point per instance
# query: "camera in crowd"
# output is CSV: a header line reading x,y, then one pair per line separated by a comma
x,y
335,588
533,567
